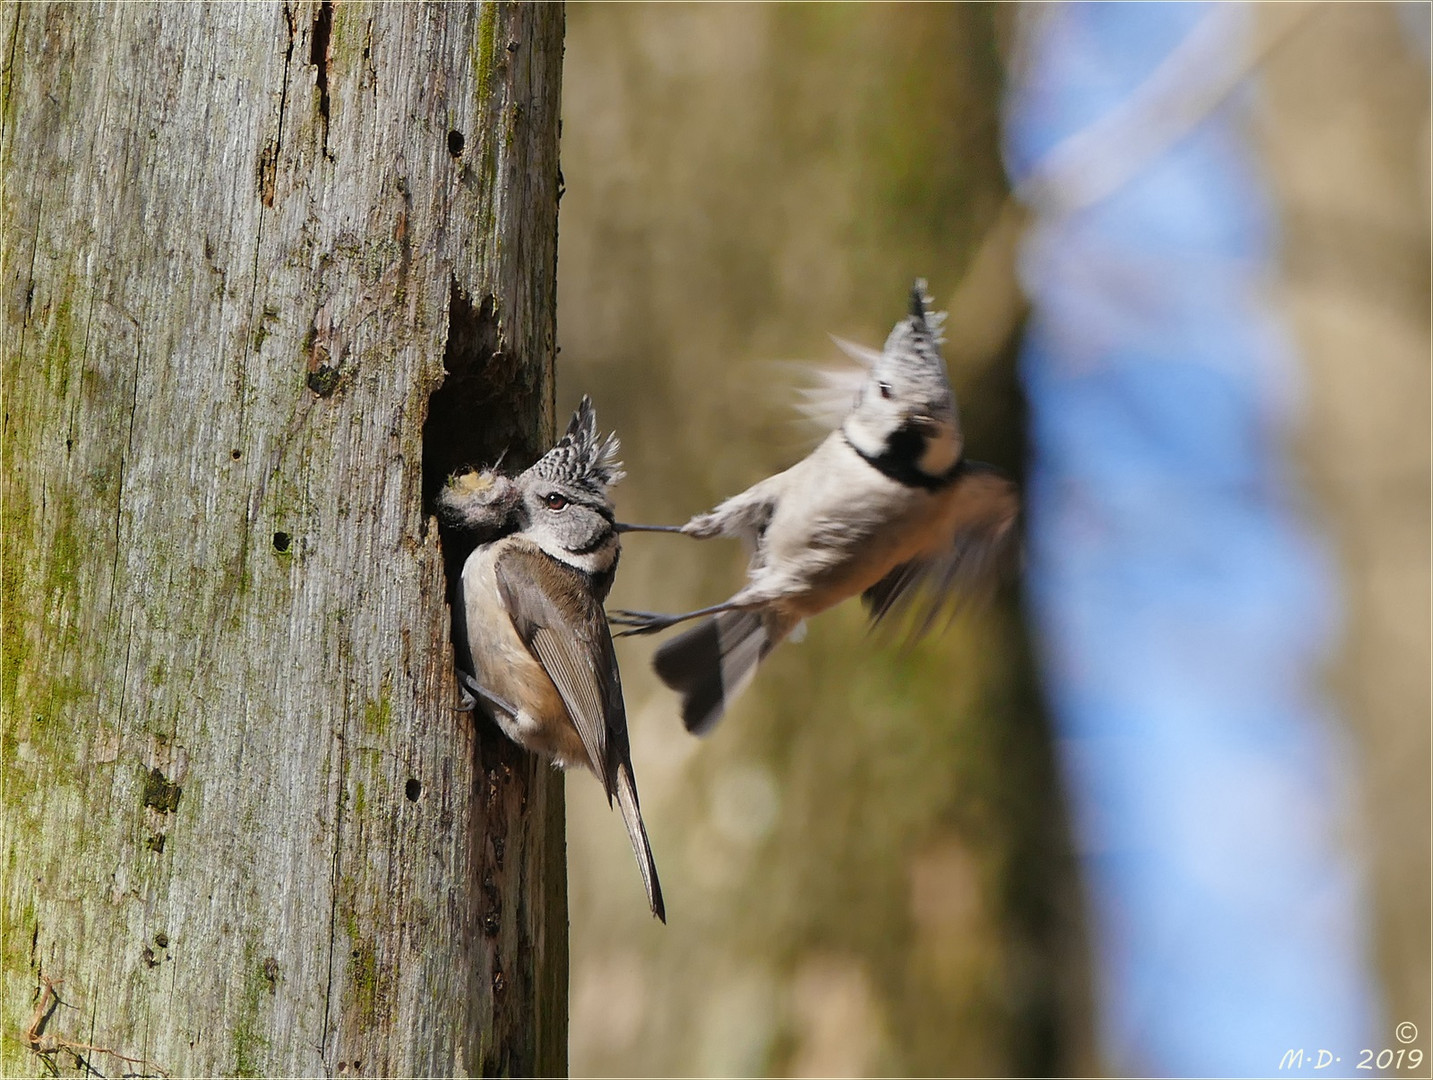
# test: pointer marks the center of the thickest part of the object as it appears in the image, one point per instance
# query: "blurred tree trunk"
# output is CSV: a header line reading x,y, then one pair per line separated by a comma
x,y
244,831
1346,133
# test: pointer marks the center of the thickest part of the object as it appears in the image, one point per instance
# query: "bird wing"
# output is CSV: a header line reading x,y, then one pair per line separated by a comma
x,y
830,391
984,540
563,625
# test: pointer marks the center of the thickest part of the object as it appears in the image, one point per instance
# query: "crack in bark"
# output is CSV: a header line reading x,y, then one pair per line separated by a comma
x,y
334,881
318,56
259,230
9,89
368,55
267,169
124,682
123,458
34,254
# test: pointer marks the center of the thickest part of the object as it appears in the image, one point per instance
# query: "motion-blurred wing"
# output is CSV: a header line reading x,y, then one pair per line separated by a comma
x,y
559,619
831,391
984,542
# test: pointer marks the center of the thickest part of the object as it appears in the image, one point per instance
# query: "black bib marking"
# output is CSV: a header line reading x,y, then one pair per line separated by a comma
x,y
898,461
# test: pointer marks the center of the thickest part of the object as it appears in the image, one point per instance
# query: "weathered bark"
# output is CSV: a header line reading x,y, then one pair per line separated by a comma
x,y
244,830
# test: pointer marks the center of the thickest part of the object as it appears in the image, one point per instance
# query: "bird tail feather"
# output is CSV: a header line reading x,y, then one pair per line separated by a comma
x,y
710,664
632,815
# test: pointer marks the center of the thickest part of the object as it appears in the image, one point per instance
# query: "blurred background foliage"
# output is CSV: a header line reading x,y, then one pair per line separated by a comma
x,y
867,865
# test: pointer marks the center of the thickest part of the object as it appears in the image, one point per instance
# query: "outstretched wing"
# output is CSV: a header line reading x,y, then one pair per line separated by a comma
x,y
985,540
829,391
562,623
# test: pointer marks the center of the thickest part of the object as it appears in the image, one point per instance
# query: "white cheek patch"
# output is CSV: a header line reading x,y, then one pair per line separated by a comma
x,y
862,433
592,562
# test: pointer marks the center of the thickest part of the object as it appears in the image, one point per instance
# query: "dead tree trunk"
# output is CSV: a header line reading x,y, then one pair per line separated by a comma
x,y
244,831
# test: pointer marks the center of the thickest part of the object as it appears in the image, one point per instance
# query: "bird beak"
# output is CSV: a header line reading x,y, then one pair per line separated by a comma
x,y
926,425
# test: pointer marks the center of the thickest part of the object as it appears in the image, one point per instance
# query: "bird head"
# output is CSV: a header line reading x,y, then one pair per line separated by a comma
x,y
905,405
565,506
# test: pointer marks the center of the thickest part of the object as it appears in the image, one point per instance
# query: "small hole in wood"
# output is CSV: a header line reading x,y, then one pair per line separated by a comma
x,y
236,454
413,788
281,541
455,142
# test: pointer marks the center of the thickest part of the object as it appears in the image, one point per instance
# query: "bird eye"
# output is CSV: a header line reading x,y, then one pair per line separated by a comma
x,y
555,501
885,389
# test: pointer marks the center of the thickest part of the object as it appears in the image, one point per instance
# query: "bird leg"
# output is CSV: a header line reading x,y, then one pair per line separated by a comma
x,y
651,622
472,691
623,527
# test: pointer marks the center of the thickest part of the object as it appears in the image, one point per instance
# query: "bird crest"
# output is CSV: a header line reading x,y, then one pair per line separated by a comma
x,y
920,335
580,458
